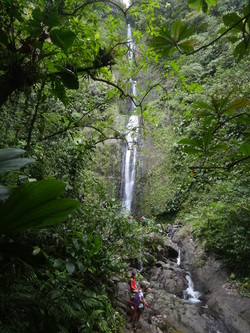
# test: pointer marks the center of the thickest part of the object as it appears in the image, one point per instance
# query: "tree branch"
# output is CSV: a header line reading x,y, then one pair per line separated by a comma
x,y
227,167
219,37
229,119
34,117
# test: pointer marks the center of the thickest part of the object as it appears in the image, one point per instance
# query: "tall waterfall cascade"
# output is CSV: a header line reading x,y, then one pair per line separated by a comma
x,y
131,138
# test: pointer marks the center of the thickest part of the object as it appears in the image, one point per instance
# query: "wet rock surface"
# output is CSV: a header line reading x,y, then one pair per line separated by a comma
x,y
213,306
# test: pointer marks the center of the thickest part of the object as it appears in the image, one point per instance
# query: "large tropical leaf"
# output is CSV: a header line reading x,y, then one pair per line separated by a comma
x,y
238,104
10,159
4,193
167,42
35,205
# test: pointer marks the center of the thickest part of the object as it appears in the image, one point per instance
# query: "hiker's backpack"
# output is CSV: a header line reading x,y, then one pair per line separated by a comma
x,y
136,299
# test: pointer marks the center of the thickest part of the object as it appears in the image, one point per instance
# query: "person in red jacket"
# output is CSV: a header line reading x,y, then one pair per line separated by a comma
x,y
132,285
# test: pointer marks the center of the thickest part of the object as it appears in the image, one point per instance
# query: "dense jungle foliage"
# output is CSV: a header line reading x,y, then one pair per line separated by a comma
x,y
64,97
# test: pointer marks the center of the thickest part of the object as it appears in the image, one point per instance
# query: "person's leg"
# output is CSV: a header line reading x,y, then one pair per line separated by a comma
x,y
139,314
133,317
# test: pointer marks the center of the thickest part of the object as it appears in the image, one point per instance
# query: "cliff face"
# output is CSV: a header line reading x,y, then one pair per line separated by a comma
x,y
209,305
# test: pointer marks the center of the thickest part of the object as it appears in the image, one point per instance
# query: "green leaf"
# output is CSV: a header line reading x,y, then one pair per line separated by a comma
x,y
52,20
202,105
245,148
184,32
176,28
70,267
37,14
191,150
192,142
211,2
9,159
17,163
193,3
10,153
207,138
219,147
35,205
64,38
96,245
232,18
240,50
204,7
167,44
59,91
238,104
69,79
201,4
187,45
4,193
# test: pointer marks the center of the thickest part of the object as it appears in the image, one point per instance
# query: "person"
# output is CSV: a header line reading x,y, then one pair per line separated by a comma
x,y
139,304
132,285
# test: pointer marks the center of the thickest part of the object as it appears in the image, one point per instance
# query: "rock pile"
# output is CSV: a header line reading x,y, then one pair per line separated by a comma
x,y
171,310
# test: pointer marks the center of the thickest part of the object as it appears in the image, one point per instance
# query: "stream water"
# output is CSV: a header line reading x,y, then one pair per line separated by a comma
x,y
190,294
214,324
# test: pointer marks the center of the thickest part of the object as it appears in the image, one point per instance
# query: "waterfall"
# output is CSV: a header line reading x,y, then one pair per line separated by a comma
x,y
131,139
190,294
179,257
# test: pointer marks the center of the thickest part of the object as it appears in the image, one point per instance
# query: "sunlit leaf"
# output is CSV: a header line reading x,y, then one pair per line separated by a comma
x,y
201,4
238,103
70,267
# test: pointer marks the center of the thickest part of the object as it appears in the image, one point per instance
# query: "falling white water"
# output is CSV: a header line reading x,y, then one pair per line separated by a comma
x,y
131,45
179,257
126,2
131,139
190,295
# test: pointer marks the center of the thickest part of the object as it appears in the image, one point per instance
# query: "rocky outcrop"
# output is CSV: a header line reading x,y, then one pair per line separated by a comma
x,y
172,309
